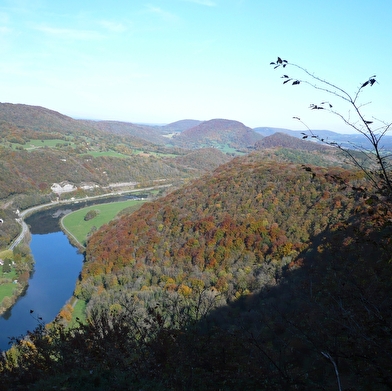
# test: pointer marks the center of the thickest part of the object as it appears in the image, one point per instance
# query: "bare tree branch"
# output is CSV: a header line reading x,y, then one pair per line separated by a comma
x,y
378,172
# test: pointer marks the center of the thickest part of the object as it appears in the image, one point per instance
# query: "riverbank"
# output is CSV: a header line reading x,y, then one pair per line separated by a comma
x,y
29,211
16,268
71,237
56,269
78,225
20,286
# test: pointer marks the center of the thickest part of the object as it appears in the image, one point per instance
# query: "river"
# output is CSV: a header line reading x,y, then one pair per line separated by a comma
x,y
57,267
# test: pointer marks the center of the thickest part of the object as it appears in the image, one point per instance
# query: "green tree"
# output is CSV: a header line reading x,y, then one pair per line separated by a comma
x,y
7,266
91,214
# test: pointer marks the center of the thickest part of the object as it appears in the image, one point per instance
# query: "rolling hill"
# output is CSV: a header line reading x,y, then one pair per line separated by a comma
x,y
180,126
285,141
39,147
217,133
206,159
151,134
259,275
350,141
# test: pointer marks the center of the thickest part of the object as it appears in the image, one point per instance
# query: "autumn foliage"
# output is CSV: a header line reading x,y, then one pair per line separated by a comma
x,y
246,218
259,276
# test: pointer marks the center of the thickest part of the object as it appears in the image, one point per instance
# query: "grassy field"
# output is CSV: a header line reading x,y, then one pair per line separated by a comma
x,y
106,153
34,144
156,154
46,143
79,228
78,312
6,290
11,274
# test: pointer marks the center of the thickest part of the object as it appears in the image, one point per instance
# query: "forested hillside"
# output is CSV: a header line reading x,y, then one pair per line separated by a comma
x,y
205,159
286,141
29,119
260,275
232,230
217,133
152,134
271,271
34,172
39,147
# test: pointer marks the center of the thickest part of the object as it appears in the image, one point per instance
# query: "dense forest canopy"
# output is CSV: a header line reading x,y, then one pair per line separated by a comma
x,y
206,288
268,271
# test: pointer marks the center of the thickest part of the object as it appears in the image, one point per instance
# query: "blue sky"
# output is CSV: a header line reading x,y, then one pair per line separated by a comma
x,y
159,61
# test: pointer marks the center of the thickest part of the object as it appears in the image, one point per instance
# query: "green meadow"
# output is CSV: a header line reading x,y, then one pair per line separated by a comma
x,y
106,153
47,143
76,224
78,312
6,290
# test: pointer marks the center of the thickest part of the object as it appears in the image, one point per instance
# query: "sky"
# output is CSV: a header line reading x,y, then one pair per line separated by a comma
x,y
160,61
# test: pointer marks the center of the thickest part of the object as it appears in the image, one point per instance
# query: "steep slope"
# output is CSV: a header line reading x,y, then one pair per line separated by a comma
x,y
19,117
266,131
180,126
259,276
301,237
39,147
33,173
218,132
346,140
151,134
206,159
248,214
286,141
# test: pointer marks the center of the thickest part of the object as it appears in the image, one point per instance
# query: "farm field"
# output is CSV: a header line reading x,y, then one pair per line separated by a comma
x,y
76,224
106,153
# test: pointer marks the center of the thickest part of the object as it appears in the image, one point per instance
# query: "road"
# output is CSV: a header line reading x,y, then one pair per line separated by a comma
x,y
29,211
25,229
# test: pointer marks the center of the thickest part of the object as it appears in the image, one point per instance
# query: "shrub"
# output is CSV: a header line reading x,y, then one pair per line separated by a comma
x,y
91,214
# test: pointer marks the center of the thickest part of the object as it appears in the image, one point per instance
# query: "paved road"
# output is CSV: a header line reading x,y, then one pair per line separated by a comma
x,y
27,212
25,229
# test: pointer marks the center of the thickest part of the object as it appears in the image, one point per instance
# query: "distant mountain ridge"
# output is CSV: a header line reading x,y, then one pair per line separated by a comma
x,y
148,133
39,147
180,126
287,141
345,140
219,131
36,118
25,121
205,159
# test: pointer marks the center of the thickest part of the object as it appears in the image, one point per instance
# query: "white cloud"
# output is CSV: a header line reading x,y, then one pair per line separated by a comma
x,y
4,18
115,27
208,3
69,33
160,12
4,30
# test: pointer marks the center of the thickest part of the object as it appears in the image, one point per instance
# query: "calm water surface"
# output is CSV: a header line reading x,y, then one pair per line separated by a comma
x,y
57,267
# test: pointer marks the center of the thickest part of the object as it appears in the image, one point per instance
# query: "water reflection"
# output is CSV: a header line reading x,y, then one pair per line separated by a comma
x,y
57,267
